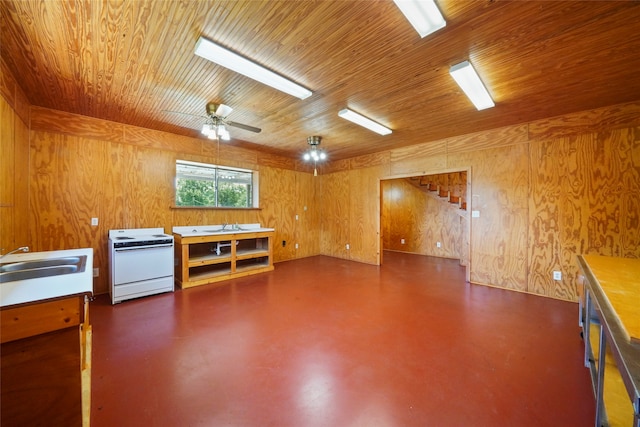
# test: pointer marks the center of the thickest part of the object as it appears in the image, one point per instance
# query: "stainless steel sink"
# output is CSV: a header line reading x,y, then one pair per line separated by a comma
x,y
10,272
39,263
220,230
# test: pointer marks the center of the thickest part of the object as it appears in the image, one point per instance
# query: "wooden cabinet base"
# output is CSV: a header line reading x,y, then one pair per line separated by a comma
x,y
41,380
214,258
45,361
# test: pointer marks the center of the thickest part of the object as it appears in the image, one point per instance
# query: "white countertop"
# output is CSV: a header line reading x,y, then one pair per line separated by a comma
x,y
205,230
26,291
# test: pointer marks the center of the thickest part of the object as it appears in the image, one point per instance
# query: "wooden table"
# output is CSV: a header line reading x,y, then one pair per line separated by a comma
x,y
612,292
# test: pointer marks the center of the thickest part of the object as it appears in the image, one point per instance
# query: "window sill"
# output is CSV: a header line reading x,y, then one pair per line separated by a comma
x,y
220,208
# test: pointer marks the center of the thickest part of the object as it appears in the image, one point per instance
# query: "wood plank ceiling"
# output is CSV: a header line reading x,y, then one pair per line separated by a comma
x,y
130,61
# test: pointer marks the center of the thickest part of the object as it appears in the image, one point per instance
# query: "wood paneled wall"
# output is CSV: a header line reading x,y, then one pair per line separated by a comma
x,y
335,198
68,169
307,228
350,214
499,187
364,216
543,191
421,220
14,164
585,199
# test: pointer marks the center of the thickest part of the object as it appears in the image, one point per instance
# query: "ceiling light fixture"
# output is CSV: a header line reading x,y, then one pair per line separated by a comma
x,y
465,75
314,154
221,56
214,128
422,14
364,121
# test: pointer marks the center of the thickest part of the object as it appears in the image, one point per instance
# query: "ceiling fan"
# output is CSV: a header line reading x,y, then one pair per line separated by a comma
x,y
216,122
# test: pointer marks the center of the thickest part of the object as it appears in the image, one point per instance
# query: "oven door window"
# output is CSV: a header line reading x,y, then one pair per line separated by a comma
x,y
137,264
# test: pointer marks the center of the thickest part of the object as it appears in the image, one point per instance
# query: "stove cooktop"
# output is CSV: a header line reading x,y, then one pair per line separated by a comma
x,y
139,235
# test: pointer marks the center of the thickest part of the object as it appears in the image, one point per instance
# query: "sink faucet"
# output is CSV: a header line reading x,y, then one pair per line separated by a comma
x,y
20,249
224,225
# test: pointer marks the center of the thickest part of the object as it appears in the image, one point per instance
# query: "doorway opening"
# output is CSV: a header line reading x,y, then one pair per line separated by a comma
x,y
427,214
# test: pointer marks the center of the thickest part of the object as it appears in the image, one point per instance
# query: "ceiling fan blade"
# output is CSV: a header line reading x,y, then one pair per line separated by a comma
x,y
245,127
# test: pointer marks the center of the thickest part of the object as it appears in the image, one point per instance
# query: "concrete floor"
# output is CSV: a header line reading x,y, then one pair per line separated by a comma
x,y
328,342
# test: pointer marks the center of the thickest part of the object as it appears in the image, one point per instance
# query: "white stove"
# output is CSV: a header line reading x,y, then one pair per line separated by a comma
x,y
140,263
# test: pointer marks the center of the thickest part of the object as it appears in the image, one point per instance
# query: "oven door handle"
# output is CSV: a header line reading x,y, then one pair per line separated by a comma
x,y
141,248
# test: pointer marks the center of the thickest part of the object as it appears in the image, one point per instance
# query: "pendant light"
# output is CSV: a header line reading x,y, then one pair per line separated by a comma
x,y
314,154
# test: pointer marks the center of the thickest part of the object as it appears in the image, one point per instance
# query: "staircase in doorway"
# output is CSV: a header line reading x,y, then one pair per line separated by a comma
x,y
450,187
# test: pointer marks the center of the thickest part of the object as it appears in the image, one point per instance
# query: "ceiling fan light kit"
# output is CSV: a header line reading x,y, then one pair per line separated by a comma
x,y
424,15
465,75
314,154
221,56
214,131
216,122
363,121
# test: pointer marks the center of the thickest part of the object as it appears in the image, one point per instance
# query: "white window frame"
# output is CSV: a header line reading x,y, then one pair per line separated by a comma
x,y
254,184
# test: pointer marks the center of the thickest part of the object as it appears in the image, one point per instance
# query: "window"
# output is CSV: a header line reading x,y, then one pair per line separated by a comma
x,y
204,185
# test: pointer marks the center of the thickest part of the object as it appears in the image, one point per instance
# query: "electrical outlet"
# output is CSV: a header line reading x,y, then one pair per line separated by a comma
x,y
557,275
96,272
438,245
475,214
94,221
347,246
296,217
296,246
402,241
284,243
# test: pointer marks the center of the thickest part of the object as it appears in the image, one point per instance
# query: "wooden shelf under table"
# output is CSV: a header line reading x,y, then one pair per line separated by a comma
x,y
613,356
200,260
198,266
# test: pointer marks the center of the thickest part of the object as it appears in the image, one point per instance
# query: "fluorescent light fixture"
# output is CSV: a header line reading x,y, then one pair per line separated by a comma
x,y
422,14
221,56
465,75
363,121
